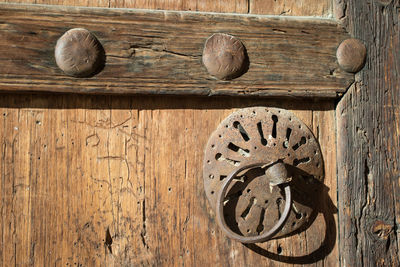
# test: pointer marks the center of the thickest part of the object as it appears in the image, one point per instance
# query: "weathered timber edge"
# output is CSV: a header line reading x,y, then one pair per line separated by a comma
x,y
368,154
159,52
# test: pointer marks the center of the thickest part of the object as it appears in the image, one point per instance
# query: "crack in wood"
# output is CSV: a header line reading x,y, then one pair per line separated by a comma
x,y
153,52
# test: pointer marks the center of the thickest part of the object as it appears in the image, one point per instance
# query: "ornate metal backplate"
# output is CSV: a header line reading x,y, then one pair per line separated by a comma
x,y
260,134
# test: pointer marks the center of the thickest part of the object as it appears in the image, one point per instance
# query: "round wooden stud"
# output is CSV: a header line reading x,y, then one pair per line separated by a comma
x,y
224,56
351,55
78,53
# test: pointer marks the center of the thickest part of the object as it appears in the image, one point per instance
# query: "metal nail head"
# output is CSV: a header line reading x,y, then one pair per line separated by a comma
x,y
351,55
78,53
224,56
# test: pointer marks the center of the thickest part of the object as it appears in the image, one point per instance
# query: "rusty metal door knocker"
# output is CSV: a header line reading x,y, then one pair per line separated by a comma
x,y
250,163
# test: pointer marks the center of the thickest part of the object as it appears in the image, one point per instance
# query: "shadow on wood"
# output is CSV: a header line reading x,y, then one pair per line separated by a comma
x,y
73,101
324,206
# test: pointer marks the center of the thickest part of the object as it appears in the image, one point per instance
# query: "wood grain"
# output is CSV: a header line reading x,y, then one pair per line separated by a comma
x,y
237,6
321,8
117,180
368,141
159,52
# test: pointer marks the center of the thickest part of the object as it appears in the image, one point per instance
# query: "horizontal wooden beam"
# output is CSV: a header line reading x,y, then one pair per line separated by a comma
x,y
159,52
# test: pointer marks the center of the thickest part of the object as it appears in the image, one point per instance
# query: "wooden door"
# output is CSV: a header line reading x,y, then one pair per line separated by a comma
x,y
95,180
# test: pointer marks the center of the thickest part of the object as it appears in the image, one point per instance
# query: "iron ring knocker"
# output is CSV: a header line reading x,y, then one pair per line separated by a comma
x,y
250,239
285,148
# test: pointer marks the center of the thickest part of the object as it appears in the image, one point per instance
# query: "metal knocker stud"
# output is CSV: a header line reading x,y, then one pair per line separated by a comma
x,y
255,164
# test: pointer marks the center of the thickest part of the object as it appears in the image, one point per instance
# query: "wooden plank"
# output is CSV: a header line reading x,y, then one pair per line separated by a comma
x,y
320,8
92,3
368,141
159,52
132,167
238,6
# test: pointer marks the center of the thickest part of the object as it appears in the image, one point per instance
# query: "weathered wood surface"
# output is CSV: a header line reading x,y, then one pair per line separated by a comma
x,y
321,8
159,52
75,168
368,141
117,181
236,6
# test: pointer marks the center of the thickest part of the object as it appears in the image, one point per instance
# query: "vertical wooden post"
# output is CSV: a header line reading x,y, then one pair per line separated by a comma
x,y
368,140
